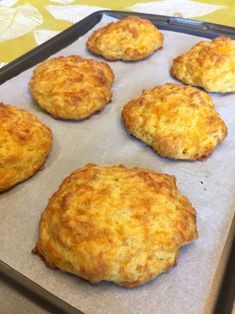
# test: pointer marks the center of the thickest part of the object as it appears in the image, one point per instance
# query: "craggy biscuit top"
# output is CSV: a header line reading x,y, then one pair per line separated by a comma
x,y
24,145
177,121
72,87
116,224
129,39
209,64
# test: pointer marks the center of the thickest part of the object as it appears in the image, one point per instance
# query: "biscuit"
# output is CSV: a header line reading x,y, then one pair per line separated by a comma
x,y
72,87
209,64
115,224
177,121
24,145
130,39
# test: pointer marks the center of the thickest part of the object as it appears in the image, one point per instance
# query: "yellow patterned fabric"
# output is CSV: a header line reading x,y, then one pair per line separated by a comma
x,y
25,24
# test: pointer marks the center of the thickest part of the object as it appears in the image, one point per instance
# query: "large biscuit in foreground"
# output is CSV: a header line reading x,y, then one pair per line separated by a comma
x,y
116,224
209,64
130,39
176,121
72,87
24,145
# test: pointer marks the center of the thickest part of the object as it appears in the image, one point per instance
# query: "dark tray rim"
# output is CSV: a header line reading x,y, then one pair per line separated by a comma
x,y
66,37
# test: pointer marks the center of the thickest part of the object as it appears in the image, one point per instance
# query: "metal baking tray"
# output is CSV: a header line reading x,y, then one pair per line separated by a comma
x,y
197,28
218,298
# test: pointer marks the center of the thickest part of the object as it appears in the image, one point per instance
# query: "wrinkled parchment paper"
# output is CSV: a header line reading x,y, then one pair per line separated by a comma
x,y
102,139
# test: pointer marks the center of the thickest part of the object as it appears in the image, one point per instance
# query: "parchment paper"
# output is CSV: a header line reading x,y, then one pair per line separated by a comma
x,y
102,139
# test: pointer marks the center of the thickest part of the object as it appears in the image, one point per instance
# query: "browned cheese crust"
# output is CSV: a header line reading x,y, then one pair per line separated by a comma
x,y
72,87
24,145
176,121
209,64
116,224
130,39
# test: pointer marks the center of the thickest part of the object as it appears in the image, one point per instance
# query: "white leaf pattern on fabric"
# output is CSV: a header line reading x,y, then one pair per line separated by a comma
x,y
72,13
15,22
8,3
178,8
62,1
43,35
2,64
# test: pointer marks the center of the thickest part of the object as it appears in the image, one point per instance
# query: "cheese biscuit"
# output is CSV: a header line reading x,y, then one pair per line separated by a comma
x,y
179,122
24,145
72,87
116,224
130,39
209,64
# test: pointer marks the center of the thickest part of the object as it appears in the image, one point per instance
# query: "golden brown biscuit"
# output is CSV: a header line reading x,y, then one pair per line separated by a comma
x,y
24,145
116,224
176,121
209,64
130,39
72,87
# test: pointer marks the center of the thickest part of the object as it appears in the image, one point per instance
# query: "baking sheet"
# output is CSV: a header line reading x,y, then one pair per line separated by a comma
x,y
103,140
